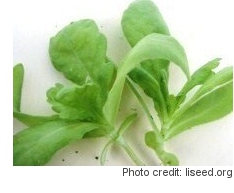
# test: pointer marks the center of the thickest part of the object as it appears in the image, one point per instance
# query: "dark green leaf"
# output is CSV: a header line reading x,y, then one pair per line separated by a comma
x,y
36,145
18,75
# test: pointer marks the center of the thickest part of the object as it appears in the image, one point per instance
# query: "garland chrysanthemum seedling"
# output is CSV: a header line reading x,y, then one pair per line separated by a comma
x,y
88,107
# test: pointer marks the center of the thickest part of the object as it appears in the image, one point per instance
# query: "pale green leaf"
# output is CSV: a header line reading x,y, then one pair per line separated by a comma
x,y
199,77
82,103
155,46
79,52
36,145
211,106
140,19
152,46
32,120
222,77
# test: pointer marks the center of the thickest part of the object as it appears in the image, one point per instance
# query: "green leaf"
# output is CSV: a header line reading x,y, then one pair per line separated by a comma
x,y
155,46
152,46
79,52
82,103
36,145
199,77
222,77
151,87
140,19
18,75
31,120
213,101
172,104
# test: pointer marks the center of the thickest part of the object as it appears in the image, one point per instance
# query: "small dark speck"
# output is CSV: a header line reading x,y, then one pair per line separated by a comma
x,y
133,109
102,26
76,152
151,117
63,160
96,157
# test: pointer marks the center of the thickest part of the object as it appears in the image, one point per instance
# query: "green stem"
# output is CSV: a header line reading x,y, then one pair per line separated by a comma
x,y
121,142
104,152
144,106
130,152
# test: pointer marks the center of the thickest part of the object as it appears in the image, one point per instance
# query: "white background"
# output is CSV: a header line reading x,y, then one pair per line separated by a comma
x,y
204,30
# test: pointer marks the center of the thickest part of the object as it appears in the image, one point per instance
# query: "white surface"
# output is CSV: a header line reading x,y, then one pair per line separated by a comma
x,y
204,31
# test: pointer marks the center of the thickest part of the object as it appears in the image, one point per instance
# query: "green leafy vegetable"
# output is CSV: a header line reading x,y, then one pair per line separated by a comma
x,y
88,106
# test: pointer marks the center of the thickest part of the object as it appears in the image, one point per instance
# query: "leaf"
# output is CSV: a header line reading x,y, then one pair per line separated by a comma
x,y
31,120
172,104
18,75
212,105
79,52
82,103
140,19
155,46
222,77
152,46
198,78
151,87
36,145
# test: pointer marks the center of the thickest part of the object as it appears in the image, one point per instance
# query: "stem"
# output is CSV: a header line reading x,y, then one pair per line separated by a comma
x,y
144,106
116,138
129,151
104,152
120,141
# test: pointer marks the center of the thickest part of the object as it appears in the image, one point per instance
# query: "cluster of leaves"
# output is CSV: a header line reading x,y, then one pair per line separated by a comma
x,y
88,107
